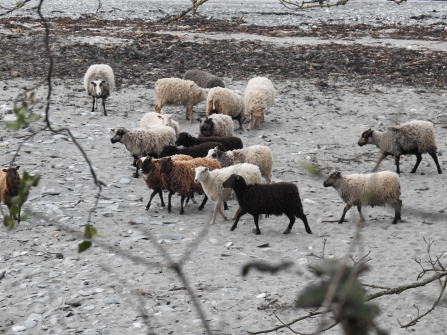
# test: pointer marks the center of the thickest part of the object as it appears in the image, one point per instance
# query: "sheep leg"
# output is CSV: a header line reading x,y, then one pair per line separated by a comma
x,y
169,201
182,200
306,224
347,207
104,106
93,106
241,120
238,216
237,212
397,211
378,162
226,206
249,124
189,112
218,203
396,160
152,196
160,193
256,218
359,208
205,199
289,227
418,161
193,199
435,158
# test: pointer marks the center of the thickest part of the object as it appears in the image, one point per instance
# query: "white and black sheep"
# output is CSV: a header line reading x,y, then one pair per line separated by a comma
x,y
9,187
179,177
259,97
157,119
141,142
99,82
178,92
212,183
229,142
372,189
275,199
203,79
259,155
410,138
227,102
216,125
196,151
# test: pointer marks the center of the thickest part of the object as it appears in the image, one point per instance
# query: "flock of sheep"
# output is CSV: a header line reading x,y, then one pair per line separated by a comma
x,y
216,164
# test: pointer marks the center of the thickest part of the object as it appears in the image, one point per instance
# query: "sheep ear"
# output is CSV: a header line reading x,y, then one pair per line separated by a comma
x,y
160,117
216,148
113,129
17,167
338,173
5,170
237,177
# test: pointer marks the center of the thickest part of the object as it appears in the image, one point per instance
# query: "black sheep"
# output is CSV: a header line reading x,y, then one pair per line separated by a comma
x,y
196,151
229,142
276,199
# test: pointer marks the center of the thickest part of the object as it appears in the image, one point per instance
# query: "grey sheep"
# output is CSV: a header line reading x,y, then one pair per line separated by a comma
x,y
141,142
203,79
371,189
411,138
99,82
216,125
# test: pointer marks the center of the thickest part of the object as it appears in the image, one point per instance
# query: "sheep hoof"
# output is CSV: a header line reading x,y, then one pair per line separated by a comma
x,y
200,208
146,209
286,232
258,233
340,222
135,175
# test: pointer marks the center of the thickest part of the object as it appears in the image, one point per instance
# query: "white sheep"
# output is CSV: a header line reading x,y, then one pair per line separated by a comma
x,y
178,92
259,97
212,183
141,142
411,138
225,101
259,155
203,79
157,119
372,189
99,82
216,125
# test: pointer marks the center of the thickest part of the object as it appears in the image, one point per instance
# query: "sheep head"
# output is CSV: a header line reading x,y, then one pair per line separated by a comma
x,y
365,138
201,171
119,133
333,178
234,181
98,86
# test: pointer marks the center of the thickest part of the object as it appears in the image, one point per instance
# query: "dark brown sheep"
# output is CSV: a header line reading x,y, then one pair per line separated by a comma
x,y
275,199
229,142
196,151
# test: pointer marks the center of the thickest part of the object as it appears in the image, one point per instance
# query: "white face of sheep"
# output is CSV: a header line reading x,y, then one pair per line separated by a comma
x,y
201,172
97,86
165,120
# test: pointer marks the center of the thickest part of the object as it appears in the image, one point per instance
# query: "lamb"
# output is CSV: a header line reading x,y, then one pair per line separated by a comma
x,y
276,199
259,97
195,151
259,155
178,92
156,119
150,169
203,78
99,82
141,142
212,183
410,138
179,176
216,125
229,142
225,101
372,189
9,187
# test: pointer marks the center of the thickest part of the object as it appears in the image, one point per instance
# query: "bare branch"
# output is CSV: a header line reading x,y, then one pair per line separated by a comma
x,y
193,9
18,5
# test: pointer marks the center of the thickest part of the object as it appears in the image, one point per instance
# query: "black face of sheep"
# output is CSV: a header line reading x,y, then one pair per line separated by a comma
x,y
365,136
275,199
118,135
183,139
207,127
145,165
216,153
332,179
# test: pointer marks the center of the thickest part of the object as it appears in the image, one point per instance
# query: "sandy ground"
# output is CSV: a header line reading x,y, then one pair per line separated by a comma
x,y
103,292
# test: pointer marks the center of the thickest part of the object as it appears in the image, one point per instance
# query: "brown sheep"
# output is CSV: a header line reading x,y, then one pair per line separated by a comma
x,y
179,177
9,187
